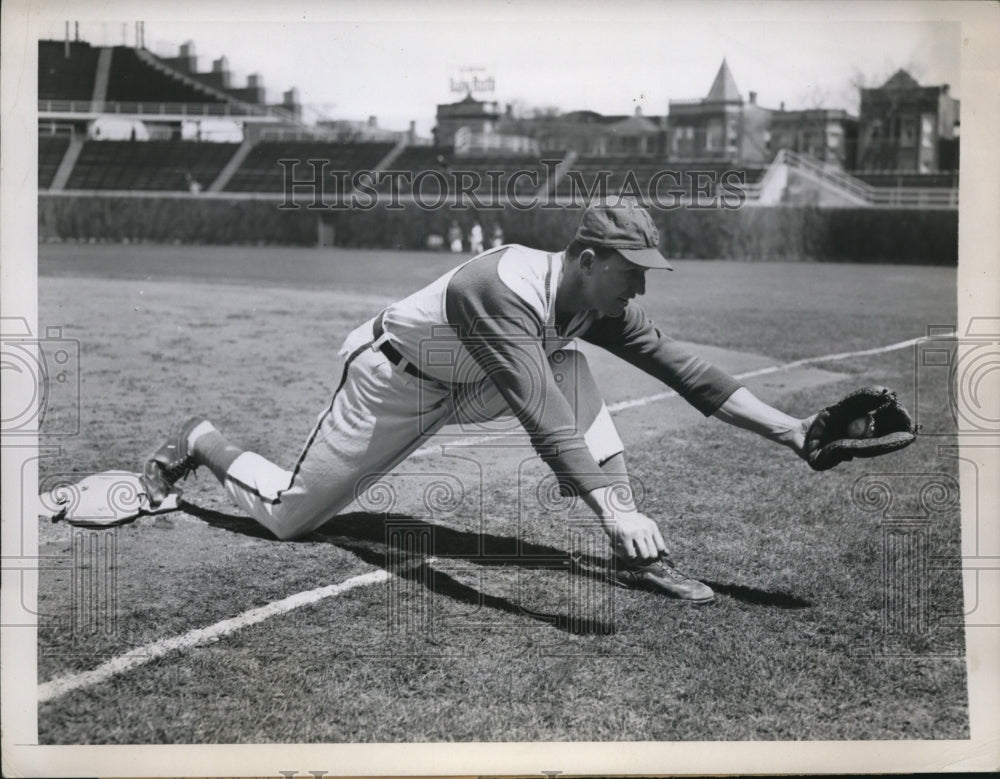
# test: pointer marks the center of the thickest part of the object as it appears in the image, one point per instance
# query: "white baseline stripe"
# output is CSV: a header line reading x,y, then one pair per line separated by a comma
x,y
61,685
134,658
645,401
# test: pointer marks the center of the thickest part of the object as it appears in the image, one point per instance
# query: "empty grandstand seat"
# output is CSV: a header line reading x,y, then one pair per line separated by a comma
x,y
471,171
941,179
51,149
66,78
261,171
683,176
149,165
133,80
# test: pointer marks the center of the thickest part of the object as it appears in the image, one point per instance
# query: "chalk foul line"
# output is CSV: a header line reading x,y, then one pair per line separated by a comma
x,y
139,656
134,658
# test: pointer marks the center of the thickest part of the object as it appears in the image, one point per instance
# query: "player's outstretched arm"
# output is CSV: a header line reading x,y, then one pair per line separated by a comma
x,y
745,410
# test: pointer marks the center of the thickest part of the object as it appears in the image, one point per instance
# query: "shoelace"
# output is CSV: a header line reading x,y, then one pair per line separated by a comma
x,y
664,566
178,469
667,567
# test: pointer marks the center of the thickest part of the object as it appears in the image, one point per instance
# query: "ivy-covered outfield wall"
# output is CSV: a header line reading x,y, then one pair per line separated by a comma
x,y
926,237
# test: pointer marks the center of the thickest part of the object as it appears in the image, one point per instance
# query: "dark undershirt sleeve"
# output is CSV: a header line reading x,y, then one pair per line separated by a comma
x,y
504,335
633,337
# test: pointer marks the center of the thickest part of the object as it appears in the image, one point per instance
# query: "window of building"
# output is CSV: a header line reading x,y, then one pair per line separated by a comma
x,y
713,134
908,132
732,133
927,131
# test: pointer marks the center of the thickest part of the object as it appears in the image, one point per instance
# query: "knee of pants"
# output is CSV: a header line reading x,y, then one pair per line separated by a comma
x,y
301,511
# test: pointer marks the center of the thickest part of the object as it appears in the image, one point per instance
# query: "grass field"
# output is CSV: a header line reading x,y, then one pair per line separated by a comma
x,y
498,636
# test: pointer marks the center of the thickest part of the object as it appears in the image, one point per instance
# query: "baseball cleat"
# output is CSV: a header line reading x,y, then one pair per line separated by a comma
x,y
170,463
661,576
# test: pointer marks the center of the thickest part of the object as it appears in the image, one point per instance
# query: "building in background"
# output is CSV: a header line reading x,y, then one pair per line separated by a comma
x,y
907,127
827,134
722,126
475,116
368,130
591,134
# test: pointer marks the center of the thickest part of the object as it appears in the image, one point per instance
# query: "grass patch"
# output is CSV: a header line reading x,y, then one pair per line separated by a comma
x,y
798,646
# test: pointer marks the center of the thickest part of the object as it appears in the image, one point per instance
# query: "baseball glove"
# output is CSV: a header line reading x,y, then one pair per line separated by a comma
x,y
866,423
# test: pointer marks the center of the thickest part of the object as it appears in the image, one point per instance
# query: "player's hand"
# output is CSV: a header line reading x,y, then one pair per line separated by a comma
x,y
634,535
798,442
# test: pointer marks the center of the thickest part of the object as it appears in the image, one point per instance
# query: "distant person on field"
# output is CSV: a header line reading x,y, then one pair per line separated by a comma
x,y
455,237
476,238
507,321
497,241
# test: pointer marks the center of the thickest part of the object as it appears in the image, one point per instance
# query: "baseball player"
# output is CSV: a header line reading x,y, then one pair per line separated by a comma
x,y
476,238
493,336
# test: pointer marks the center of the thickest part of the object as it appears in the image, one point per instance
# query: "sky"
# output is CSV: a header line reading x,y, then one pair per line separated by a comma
x,y
395,60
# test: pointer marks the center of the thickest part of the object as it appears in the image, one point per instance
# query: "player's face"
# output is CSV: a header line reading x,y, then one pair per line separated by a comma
x,y
614,282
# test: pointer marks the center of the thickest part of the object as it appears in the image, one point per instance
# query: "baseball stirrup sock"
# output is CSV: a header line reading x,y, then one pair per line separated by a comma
x,y
214,451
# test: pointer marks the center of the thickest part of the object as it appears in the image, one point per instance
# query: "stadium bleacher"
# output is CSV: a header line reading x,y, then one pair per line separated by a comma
x,y
584,172
132,80
140,88
149,165
908,179
51,149
414,159
66,78
261,172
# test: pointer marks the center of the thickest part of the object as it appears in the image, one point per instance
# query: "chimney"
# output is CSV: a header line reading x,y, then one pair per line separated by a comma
x,y
638,110
753,97
782,106
254,80
373,121
290,102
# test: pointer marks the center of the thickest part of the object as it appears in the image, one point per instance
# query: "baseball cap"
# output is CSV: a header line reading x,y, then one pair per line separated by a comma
x,y
623,225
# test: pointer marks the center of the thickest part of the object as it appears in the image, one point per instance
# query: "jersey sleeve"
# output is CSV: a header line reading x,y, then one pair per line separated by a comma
x,y
633,337
505,336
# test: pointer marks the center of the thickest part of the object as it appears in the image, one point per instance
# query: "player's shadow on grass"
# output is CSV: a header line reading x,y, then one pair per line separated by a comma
x,y
365,535
779,600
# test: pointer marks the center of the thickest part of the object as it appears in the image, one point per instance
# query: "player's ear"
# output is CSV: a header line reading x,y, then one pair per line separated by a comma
x,y
587,260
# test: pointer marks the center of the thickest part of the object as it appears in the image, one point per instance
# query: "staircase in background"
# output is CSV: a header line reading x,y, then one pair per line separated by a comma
x,y
67,164
788,165
101,78
231,167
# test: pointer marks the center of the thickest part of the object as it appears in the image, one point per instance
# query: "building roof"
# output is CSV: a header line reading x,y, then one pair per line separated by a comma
x,y
901,80
635,125
724,87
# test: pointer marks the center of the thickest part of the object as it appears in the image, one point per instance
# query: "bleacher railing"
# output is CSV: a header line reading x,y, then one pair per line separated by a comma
x,y
159,109
903,197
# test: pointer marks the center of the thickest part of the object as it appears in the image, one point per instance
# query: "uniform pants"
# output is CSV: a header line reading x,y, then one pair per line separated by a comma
x,y
377,417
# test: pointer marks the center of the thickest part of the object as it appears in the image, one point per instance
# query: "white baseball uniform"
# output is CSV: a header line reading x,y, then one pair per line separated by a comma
x,y
481,341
